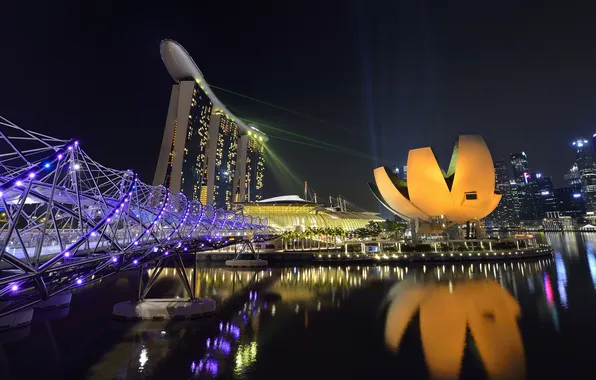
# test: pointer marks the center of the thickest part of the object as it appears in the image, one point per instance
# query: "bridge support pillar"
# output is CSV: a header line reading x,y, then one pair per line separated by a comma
x,y
16,319
166,308
251,261
57,301
158,309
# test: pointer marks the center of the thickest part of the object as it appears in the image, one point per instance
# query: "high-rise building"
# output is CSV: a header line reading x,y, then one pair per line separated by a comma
x,y
249,176
524,201
519,165
221,162
572,177
570,201
584,159
588,183
544,195
584,155
504,215
206,150
182,156
401,173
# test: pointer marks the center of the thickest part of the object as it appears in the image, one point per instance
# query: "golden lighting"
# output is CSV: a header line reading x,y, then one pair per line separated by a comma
x,y
466,192
446,312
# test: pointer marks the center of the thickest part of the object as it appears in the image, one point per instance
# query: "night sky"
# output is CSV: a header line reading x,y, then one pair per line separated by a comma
x,y
374,77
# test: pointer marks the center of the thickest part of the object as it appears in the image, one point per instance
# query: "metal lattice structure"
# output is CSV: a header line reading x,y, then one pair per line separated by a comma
x,y
67,220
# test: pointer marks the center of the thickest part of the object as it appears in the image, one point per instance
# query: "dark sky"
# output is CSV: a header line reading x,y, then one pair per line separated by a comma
x,y
386,76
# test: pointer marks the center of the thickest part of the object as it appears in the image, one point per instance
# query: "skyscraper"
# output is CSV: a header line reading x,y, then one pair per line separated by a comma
x,y
221,163
584,159
584,155
573,177
249,176
182,156
570,201
401,173
544,195
519,165
504,215
204,146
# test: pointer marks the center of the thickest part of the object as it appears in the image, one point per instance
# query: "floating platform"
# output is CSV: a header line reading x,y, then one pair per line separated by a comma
x,y
15,320
256,263
160,309
57,301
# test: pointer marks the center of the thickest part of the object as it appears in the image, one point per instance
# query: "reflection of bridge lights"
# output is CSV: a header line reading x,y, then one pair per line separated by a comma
x,y
230,328
209,365
143,358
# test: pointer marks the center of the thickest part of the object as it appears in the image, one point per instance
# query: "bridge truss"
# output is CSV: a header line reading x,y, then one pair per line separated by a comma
x,y
66,220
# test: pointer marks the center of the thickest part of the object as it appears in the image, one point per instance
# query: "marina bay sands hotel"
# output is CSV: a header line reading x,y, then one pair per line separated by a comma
x,y
206,153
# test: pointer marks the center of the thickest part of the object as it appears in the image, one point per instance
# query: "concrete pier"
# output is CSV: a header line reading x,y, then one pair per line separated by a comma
x,y
17,319
159,309
59,300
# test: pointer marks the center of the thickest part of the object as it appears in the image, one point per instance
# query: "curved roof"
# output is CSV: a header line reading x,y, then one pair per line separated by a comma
x,y
284,198
181,66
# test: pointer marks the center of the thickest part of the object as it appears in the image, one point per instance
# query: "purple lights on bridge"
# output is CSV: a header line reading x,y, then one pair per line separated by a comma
x,y
78,218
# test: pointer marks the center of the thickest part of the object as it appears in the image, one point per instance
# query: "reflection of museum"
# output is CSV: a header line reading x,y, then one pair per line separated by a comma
x,y
447,312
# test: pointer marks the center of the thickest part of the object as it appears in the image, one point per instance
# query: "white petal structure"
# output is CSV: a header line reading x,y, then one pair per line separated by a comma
x,y
465,193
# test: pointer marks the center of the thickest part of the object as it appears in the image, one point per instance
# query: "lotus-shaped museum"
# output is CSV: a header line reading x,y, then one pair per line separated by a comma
x,y
465,193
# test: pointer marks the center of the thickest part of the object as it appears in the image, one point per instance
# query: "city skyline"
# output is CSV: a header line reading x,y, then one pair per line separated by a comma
x,y
446,70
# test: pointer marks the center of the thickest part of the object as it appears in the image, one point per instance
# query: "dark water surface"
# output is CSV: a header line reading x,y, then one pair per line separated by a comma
x,y
508,320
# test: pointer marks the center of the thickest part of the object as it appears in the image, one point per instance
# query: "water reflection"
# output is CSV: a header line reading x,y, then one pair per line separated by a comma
x,y
215,283
561,279
591,262
289,322
446,311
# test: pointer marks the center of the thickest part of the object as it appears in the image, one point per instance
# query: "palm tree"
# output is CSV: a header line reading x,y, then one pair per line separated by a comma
x,y
319,232
311,232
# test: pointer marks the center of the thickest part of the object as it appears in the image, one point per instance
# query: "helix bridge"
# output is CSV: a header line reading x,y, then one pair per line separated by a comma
x,y
66,221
